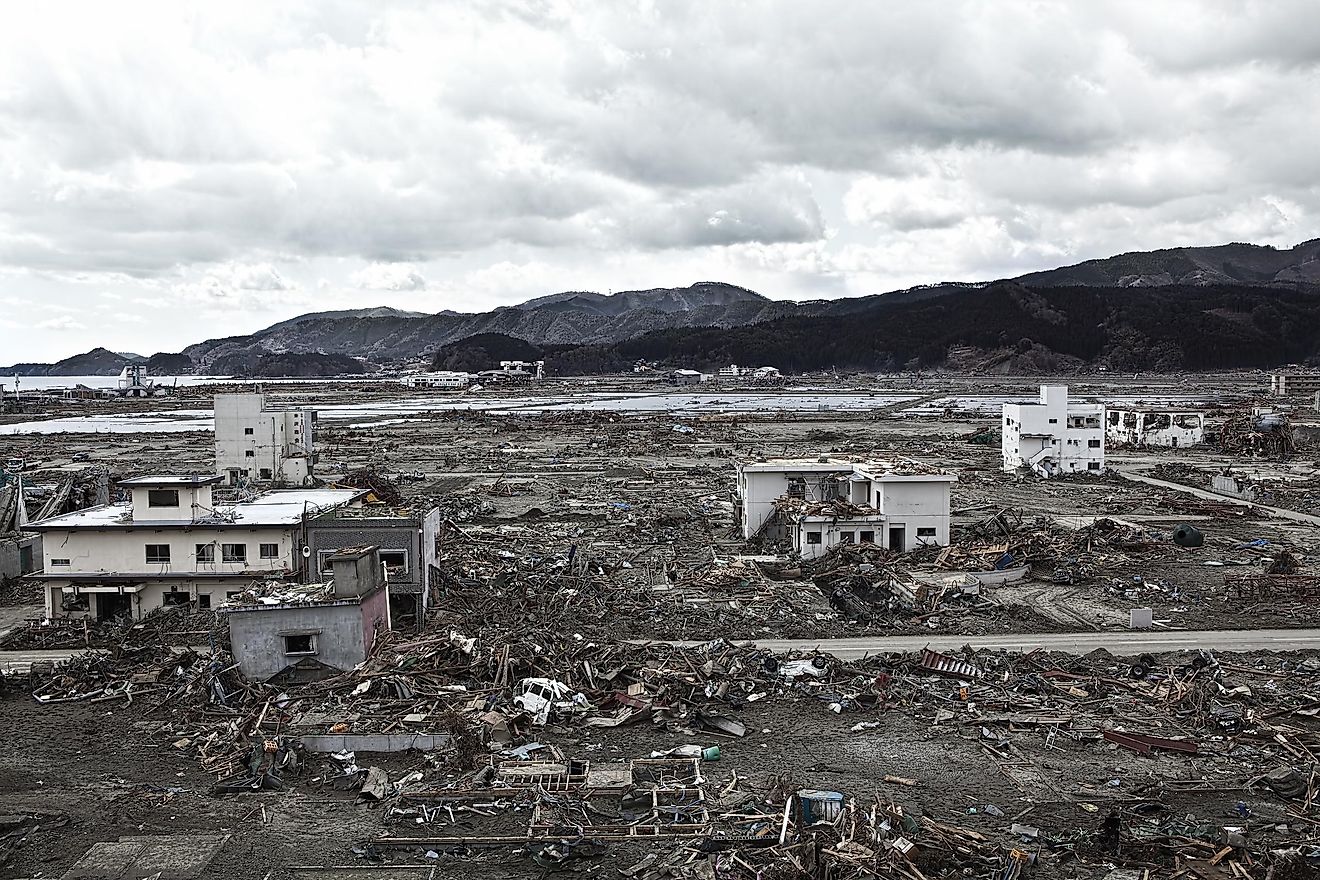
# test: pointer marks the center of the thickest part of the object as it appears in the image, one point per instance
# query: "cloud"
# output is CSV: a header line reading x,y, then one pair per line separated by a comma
x,y
60,323
222,159
388,276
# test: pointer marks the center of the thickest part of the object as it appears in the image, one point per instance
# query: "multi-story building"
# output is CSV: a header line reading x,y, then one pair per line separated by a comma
x,y
406,544
819,503
1295,384
173,544
254,444
1054,436
446,380
1154,427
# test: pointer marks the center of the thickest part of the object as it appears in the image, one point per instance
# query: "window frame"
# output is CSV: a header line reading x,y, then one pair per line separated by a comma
x,y
154,494
204,553
226,556
261,551
147,548
401,569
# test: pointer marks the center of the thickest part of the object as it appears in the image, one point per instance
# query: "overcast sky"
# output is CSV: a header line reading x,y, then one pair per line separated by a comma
x,y
171,172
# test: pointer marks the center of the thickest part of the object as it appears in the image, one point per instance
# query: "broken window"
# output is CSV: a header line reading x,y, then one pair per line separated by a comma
x,y
1093,465
813,537
1093,444
162,498
203,600
175,597
248,453
395,561
72,602
797,488
247,432
270,551
867,537
926,532
233,552
845,537
205,553
300,643
157,553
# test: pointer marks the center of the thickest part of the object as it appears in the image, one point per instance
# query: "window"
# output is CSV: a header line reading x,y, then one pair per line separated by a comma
x,y
797,488
158,553
205,554
926,532
813,537
203,600
1093,444
175,598
867,537
59,562
1054,421
270,551
247,432
1093,465
300,643
233,552
845,537
232,594
162,498
264,473
323,561
249,453
396,561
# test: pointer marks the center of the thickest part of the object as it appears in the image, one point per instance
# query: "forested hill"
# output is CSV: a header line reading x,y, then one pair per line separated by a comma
x,y
1004,327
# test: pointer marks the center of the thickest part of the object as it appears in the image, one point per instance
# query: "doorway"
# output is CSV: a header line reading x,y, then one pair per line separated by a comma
x,y
898,539
112,605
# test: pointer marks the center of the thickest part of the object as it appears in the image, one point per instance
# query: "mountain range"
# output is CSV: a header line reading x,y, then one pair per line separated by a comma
x,y
1225,289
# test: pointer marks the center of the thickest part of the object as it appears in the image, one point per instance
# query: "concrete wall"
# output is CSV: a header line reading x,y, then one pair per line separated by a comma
x,y
915,506
194,502
150,597
343,634
250,438
123,550
15,550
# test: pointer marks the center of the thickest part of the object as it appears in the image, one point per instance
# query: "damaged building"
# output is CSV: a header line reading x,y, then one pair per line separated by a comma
x,y
406,543
309,631
1154,427
257,444
1054,436
817,504
172,544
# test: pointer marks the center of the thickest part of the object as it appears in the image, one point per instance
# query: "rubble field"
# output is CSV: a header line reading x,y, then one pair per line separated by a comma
x,y
544,726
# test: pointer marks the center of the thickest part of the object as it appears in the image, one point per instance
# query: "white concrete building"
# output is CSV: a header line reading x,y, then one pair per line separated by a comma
x,y
172,545
254,444
1154,427
445,380
830,500
1054,436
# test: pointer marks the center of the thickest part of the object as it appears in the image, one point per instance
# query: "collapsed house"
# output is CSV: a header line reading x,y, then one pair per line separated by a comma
x,y
1261,433
314,630
817,504
256,444
1054,436
1154,427
172,544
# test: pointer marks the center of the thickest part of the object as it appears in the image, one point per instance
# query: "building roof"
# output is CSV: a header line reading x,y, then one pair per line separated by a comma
x,y
872,469
274,508
188,480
